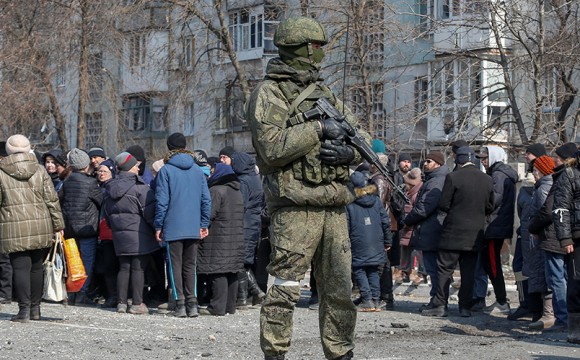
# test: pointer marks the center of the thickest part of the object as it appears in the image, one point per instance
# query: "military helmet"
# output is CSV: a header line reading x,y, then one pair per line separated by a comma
x,y
299,30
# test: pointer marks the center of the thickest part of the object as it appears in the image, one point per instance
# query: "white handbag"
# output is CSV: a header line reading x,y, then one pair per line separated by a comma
x,y
53,268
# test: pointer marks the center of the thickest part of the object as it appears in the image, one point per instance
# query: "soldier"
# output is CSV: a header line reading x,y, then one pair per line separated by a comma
x,y
307,186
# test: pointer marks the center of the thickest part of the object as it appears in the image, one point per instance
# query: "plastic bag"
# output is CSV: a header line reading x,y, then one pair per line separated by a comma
x,y
54,282
76,270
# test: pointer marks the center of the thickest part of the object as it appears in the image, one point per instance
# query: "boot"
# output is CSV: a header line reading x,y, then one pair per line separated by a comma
x,y
111,302
242,303
547,320
253,287
35,312
191,308
179,311
23,315
574,328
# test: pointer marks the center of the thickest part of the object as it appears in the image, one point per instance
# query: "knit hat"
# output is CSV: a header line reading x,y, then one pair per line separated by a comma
x,y
358,179
200,157
457,144
537,150
437,157
464,155
17,144
176,141
545,164
567,151
79,159
413,177
3,152
227,151
157,165
61,159
404,157
213,160
97,151
125,161
379,146
109,165
139,154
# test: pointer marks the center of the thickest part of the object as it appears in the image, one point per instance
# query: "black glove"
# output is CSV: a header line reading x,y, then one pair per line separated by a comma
x,y
332,130
336,154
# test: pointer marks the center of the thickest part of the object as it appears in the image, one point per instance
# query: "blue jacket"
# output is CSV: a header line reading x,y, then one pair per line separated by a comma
x,y
425,218
369,228
244,166
148,176
183,199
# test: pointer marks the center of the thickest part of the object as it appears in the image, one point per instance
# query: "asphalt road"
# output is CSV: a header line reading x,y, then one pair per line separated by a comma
x,y
91,333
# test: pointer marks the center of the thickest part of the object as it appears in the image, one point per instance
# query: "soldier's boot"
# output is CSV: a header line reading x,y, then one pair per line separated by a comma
x,y
346,356
242,303
253,286
574,328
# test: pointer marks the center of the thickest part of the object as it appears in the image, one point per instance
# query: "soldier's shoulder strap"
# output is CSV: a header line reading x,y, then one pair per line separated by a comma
x,y
300,98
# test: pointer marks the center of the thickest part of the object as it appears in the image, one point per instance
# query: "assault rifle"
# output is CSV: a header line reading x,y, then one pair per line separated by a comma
x,y
323,109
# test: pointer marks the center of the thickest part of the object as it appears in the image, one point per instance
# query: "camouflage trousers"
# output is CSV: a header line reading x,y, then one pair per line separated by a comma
x,y
300,235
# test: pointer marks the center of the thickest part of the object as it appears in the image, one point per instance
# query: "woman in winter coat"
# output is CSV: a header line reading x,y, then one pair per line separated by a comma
x,y
413,182
49,162
537,286
369,229
30,215
130,212
221,253
110,263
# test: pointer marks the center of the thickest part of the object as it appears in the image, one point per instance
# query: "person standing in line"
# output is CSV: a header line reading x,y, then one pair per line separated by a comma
x,y
182,219
426,220
81,200
49,162
221,253
96,156
501,223
30,215
130,212
5,267
225,155
467,198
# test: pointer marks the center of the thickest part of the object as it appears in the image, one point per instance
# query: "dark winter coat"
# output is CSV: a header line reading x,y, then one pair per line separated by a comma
x,y
369,228
535,262
524,205
130,211
222,251
81,200
541,223
183,200
501,221
425,218
251,188
467,198
566,212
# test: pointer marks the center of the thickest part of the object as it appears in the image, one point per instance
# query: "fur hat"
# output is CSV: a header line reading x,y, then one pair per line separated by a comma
x,y
437,157
17,144
79,159
545,164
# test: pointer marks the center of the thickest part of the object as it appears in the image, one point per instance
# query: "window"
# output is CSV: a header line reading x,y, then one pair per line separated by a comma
x,y
495,82
425,10
220,115
189,52
421,102
95,70
375,110
144,113
445,9
458,80
94,128
61,74
137,49
375,38
189,125
254,29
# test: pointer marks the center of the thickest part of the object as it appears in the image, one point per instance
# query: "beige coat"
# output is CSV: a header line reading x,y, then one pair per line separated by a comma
x,y
29,207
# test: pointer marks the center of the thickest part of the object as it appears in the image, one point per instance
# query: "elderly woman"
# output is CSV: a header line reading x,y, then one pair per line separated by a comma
x,y
29,217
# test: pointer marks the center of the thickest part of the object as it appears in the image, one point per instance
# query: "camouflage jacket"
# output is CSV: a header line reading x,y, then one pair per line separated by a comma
x,y
288,156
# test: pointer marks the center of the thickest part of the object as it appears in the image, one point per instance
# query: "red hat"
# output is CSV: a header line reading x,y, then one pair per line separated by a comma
x,y
545,164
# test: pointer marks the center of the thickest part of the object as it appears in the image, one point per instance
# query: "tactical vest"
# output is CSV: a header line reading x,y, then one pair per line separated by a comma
x,y
309,168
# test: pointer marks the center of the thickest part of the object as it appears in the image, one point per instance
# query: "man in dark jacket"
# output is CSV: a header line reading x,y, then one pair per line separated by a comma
x,y
467,198
244,166
501,222
81,200
97,156
425,218
221,253
567,226
138,152
130,212
533,152
182,219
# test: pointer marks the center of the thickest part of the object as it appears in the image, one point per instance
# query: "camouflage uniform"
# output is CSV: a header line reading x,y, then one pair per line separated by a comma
x,y
306,199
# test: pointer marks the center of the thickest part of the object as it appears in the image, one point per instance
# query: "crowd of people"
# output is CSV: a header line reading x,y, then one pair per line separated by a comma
x,y
195,230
